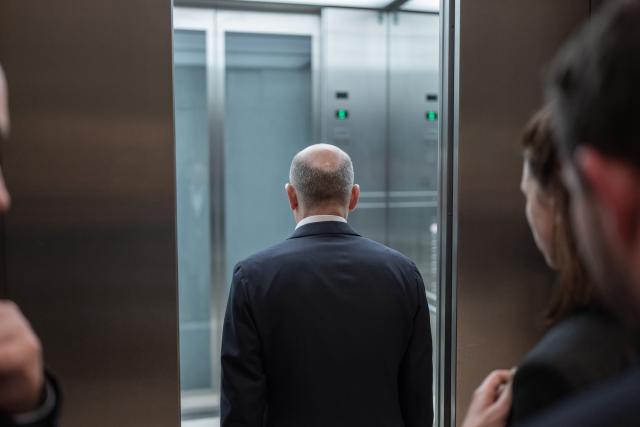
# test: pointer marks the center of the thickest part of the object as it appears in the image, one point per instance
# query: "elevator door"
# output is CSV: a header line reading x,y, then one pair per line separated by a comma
x,y
245,102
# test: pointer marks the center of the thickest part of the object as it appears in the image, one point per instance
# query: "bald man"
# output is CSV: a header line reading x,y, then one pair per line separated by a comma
x,y
27,397
327,328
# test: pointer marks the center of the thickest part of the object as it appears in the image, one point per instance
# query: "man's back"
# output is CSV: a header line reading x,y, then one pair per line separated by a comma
x,y
327,329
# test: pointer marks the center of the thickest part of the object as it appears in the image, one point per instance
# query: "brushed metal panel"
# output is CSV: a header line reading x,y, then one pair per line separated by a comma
x,y
413,140
502,282
90,240
354,62
413,91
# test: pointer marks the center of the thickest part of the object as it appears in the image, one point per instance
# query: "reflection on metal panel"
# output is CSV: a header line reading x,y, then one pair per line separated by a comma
x,y
413,138
502,282
380,93
413,96
354,78
90,241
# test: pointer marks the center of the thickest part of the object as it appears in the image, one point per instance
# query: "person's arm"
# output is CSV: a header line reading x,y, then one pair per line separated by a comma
x,y
536,387
243,397
416,370
27,397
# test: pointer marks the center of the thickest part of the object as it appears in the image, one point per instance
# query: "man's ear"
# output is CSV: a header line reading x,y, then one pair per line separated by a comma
x,y
615,187
355,196
293,197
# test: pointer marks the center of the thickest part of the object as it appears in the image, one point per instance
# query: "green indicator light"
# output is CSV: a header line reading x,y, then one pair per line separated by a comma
x,y
342,114
432,116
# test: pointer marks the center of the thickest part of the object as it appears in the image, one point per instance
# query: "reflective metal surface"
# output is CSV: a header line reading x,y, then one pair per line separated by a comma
x,y
445,346
90,251
354,79
502,282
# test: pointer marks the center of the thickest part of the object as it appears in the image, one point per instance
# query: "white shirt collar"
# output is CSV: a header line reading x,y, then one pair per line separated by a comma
x,y
319,218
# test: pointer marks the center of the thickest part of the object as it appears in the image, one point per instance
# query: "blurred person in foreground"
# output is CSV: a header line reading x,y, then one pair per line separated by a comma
x,y
28,396
595,94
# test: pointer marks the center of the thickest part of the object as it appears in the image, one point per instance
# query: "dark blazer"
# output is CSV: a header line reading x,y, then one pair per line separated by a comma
x,y
615,403
326,329
583,350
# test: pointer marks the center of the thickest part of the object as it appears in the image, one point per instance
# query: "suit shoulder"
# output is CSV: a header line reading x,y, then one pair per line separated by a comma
x,y
388,253
263,256
583,349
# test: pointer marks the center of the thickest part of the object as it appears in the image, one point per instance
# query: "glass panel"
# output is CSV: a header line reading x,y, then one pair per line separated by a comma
x,y
262,72
267,121
193,210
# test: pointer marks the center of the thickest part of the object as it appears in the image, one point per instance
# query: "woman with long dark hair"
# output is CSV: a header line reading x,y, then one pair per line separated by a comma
x,y
584,345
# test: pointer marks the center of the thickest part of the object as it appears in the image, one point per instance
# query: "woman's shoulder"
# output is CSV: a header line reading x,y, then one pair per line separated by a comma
x,y
586,347
579,352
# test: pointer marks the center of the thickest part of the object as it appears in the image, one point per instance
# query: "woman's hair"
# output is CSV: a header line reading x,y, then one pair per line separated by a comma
x,y
575,289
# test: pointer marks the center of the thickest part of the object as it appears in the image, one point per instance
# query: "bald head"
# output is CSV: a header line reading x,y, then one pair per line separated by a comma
x,y
322,175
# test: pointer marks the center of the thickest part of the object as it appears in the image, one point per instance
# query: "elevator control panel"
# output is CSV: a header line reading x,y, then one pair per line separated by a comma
x,y
341,132
431,118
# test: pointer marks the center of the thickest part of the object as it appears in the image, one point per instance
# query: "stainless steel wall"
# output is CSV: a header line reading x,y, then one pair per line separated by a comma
x,y
382,68
354,62
502,282
90,240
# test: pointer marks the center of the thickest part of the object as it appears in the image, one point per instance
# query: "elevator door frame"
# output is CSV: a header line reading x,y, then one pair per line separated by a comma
x,y
215,23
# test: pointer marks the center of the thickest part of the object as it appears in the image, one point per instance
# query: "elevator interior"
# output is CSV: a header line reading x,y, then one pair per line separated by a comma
x,y
253,87
89,246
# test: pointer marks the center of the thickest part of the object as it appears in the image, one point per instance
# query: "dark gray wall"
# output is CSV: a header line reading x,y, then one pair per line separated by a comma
x,y
90,241
502,282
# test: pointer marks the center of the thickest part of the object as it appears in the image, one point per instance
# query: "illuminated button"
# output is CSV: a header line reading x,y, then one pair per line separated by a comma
x,y
342,114
432,116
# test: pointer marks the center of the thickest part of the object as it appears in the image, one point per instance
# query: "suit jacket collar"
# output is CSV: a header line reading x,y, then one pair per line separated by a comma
x,y
325,227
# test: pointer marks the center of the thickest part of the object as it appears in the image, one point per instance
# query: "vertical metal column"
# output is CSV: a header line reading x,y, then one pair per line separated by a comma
x,y
447,192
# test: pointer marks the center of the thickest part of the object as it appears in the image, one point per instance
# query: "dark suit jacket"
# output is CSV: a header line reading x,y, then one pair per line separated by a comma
x,y
50,418
327,329
614,404
583,350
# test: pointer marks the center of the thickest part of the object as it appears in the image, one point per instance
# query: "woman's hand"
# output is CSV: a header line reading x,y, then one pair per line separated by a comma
x,y
491,401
